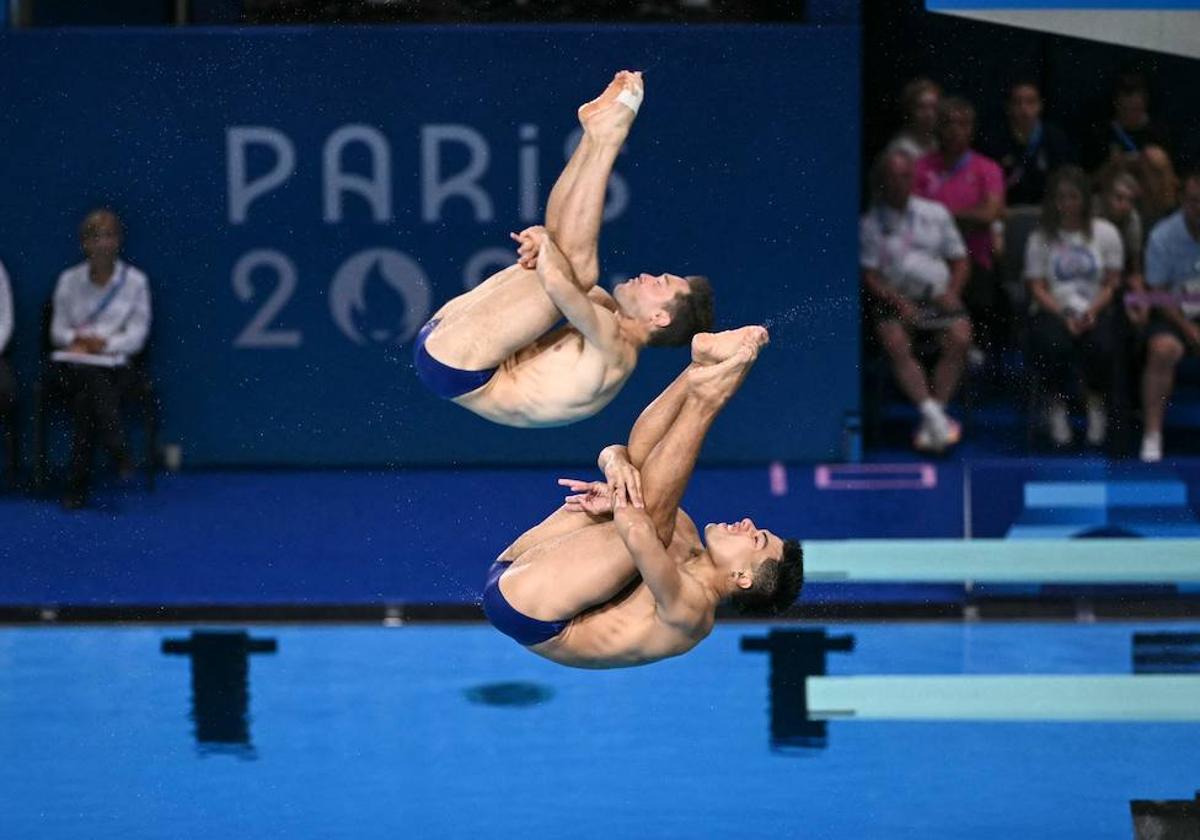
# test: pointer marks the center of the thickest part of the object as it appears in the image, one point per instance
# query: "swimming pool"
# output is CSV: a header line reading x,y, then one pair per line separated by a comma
x,y
454,731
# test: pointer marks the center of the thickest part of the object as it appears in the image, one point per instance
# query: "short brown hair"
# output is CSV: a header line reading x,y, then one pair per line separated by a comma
x,y
691,312
914,90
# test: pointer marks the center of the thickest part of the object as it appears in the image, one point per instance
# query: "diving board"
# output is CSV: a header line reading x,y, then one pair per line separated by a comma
x,y
1103,561
1157,697
1169,26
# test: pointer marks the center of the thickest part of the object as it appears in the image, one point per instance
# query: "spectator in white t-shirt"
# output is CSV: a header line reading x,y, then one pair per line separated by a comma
x,y
1073,267
1173,270
914,267
101,309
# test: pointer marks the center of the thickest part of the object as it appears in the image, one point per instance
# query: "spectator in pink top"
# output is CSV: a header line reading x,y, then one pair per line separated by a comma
x,y
971,186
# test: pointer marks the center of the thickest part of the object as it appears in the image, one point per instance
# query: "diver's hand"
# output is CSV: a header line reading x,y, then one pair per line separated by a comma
x,y
529,242
587,496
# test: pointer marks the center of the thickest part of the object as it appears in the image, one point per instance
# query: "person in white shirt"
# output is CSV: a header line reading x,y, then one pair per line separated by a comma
x,y
914,267
1173,331
1073,266
102,313
8,389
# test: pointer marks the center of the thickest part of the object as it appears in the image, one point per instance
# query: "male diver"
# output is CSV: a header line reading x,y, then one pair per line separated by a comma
x,y
496,351
619,575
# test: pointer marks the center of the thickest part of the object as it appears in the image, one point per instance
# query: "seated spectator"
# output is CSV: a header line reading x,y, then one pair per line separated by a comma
x,y
971,186
1029,148
919,101
101,309
1117,202
1132,142
1172,266
1073,268
914,268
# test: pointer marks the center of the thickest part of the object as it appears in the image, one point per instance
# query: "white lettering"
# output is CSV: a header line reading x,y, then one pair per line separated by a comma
x,y
434,191
258,332
376,188
527,174
242,192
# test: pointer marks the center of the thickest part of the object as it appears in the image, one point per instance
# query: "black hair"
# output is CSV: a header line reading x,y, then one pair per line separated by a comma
x,y
85,227
1131,84
953,105
777,583
691,312
1024,80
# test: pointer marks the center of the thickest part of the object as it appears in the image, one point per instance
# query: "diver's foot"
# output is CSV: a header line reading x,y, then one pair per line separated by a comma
x,y
608,118
714,348
714,384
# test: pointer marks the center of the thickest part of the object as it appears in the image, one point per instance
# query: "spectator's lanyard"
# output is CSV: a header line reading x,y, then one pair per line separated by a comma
x,y
104,301
1031,149
940,178
1124,137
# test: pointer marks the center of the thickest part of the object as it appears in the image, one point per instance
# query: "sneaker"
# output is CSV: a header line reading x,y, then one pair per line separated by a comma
x,y
1059,424
1097,420
1151,448
937,437
923,437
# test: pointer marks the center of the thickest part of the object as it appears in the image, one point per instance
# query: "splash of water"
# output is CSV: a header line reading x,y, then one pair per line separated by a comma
x,y
811,309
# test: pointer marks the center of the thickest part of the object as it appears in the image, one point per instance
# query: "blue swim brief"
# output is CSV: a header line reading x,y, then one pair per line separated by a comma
x,y
443,380
528,631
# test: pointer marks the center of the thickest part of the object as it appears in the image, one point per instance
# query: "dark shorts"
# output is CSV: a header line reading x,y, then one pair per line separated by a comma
x,y
1159,325
445,381
932,319
528,631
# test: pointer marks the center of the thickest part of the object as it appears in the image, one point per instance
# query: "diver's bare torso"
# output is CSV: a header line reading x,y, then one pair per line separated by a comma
x,y
557,380
622,631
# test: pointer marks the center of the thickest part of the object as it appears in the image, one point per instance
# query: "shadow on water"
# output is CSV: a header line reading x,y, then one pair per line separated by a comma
x,y
221,688
516,694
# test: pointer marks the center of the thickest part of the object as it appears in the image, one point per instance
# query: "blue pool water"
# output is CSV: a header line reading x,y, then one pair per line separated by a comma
x,y
454,731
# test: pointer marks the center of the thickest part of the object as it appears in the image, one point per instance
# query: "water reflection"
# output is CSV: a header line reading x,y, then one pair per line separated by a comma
x,y
221,688
795,655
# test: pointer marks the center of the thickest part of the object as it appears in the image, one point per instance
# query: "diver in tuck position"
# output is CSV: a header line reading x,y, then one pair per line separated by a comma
x,y
619,575
495,350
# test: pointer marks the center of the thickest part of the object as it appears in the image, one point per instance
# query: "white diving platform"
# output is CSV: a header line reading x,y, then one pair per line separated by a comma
x,y
1098,561
1153,697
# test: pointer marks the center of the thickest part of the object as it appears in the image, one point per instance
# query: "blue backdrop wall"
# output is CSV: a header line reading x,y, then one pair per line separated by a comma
x,y
302,198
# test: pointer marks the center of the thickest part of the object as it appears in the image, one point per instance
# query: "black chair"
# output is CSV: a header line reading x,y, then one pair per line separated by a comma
x,y
49,394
